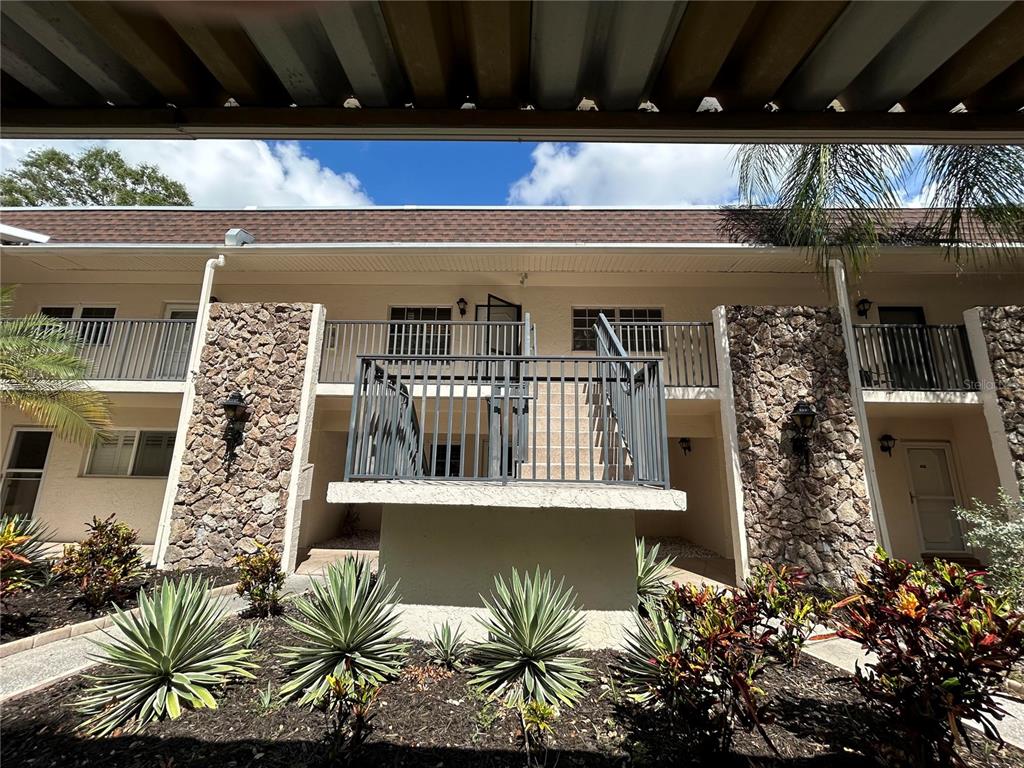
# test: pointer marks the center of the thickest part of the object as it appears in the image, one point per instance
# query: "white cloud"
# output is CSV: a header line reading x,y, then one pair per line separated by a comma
x,y
627,174
226,173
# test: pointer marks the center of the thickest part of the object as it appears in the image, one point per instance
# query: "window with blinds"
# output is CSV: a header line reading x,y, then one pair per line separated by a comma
x,y
424,332
634,337
132,453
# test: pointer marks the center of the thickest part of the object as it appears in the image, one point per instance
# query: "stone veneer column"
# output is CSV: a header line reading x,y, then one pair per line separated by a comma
x,y
818,518
996,335
262,351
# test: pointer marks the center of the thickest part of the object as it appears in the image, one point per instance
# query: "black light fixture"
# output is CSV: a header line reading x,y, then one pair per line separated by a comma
x,y
863,307
685,445
886,443
462,304
235,412
803,417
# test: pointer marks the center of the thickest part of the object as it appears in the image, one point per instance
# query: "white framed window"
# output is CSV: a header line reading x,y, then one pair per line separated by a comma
x,y
88,333
427,332
584,319
131,453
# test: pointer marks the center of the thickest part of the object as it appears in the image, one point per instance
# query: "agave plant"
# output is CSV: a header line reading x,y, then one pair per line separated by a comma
x,y
447,647
172,655
351,625
649,572
533,626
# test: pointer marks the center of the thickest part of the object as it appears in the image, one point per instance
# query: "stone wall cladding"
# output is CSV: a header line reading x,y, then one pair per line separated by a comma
x,y
818,518
1003,329
259,350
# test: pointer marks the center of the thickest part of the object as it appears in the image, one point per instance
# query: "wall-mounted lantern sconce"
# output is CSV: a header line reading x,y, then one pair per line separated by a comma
x,y
886,443
235,412
803,417
863,307
685,445
462,304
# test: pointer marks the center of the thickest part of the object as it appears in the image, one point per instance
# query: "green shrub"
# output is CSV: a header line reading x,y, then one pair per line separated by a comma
x,y
172,655
650,572
692,661
1000,530
351,626
104,564
260,578
22,562
532,626
944,646
447,647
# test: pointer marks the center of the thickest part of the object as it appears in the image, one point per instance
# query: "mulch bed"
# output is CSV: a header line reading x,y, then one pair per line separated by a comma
x,y
57,604
432,718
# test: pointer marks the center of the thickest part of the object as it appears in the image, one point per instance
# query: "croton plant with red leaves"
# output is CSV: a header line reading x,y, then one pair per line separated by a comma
x,y
944,644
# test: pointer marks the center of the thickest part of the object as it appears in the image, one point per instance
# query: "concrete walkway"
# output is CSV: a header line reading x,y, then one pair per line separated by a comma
x,y
844,654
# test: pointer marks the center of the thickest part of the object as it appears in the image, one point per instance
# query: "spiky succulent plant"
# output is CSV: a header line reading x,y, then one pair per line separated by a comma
x,y
173,654
447,647
533,627
350,624
649,572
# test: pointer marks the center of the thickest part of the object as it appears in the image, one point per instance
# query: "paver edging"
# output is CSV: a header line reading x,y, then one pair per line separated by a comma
x,y
83,627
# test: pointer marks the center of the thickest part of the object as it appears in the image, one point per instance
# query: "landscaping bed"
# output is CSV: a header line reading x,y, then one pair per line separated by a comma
x,y
58,604
430,717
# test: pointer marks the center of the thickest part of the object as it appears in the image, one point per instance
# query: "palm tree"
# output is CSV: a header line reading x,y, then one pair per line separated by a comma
x,y
41,373
844,199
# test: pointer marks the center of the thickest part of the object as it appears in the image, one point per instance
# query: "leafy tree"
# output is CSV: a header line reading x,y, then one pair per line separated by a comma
x,y
41,373
999,528
98,176
842,200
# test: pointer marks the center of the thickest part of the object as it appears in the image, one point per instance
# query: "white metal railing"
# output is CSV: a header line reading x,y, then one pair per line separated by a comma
x,y
134,350
687,348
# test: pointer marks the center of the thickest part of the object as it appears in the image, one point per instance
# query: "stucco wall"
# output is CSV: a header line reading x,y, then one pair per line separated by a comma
x,y
67,499
259,350
446,555
974,469
1003,329
818,517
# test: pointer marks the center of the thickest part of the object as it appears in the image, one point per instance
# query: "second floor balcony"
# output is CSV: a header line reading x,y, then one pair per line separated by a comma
x,y
931,358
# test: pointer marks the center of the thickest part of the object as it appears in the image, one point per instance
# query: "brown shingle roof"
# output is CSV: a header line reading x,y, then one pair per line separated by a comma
x,y
378,225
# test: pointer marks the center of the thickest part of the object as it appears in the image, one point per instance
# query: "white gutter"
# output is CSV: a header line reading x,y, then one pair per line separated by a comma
x,y
21,236
185,414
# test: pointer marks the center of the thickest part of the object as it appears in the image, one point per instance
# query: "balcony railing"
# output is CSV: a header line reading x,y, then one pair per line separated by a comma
x,y
915,357
688,350
133,350
509,419
346,340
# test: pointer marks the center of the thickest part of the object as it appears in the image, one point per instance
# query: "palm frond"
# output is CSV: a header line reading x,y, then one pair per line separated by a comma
x,y
828,199
976,198
42,373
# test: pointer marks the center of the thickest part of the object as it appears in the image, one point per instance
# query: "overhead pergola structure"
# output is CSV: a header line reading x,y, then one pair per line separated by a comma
x,y
630,70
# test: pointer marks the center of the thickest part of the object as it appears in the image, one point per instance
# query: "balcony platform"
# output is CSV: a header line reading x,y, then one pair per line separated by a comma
x,y
516,495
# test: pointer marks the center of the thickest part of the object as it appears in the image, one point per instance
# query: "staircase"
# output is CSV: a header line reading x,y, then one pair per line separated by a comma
x,y
575,436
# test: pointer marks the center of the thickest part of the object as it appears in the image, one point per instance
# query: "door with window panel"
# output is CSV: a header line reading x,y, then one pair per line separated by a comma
x,y
23,471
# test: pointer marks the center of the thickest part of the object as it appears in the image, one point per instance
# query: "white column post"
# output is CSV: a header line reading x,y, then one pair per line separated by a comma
x,y
730,442
859,409
990,404
300,483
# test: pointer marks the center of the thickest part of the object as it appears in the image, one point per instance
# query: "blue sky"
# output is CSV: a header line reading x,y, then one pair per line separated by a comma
x,y
237,173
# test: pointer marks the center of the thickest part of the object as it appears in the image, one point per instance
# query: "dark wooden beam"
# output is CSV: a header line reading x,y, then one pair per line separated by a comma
x,y
498,35
423,35
514,125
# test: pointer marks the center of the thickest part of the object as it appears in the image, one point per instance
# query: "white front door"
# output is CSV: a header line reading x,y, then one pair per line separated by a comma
x,y
934,496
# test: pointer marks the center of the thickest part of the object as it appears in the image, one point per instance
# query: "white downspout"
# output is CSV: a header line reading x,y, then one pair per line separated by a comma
x,y
185,414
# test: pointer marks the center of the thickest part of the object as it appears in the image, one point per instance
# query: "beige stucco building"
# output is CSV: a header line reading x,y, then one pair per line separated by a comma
x,y
435,375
